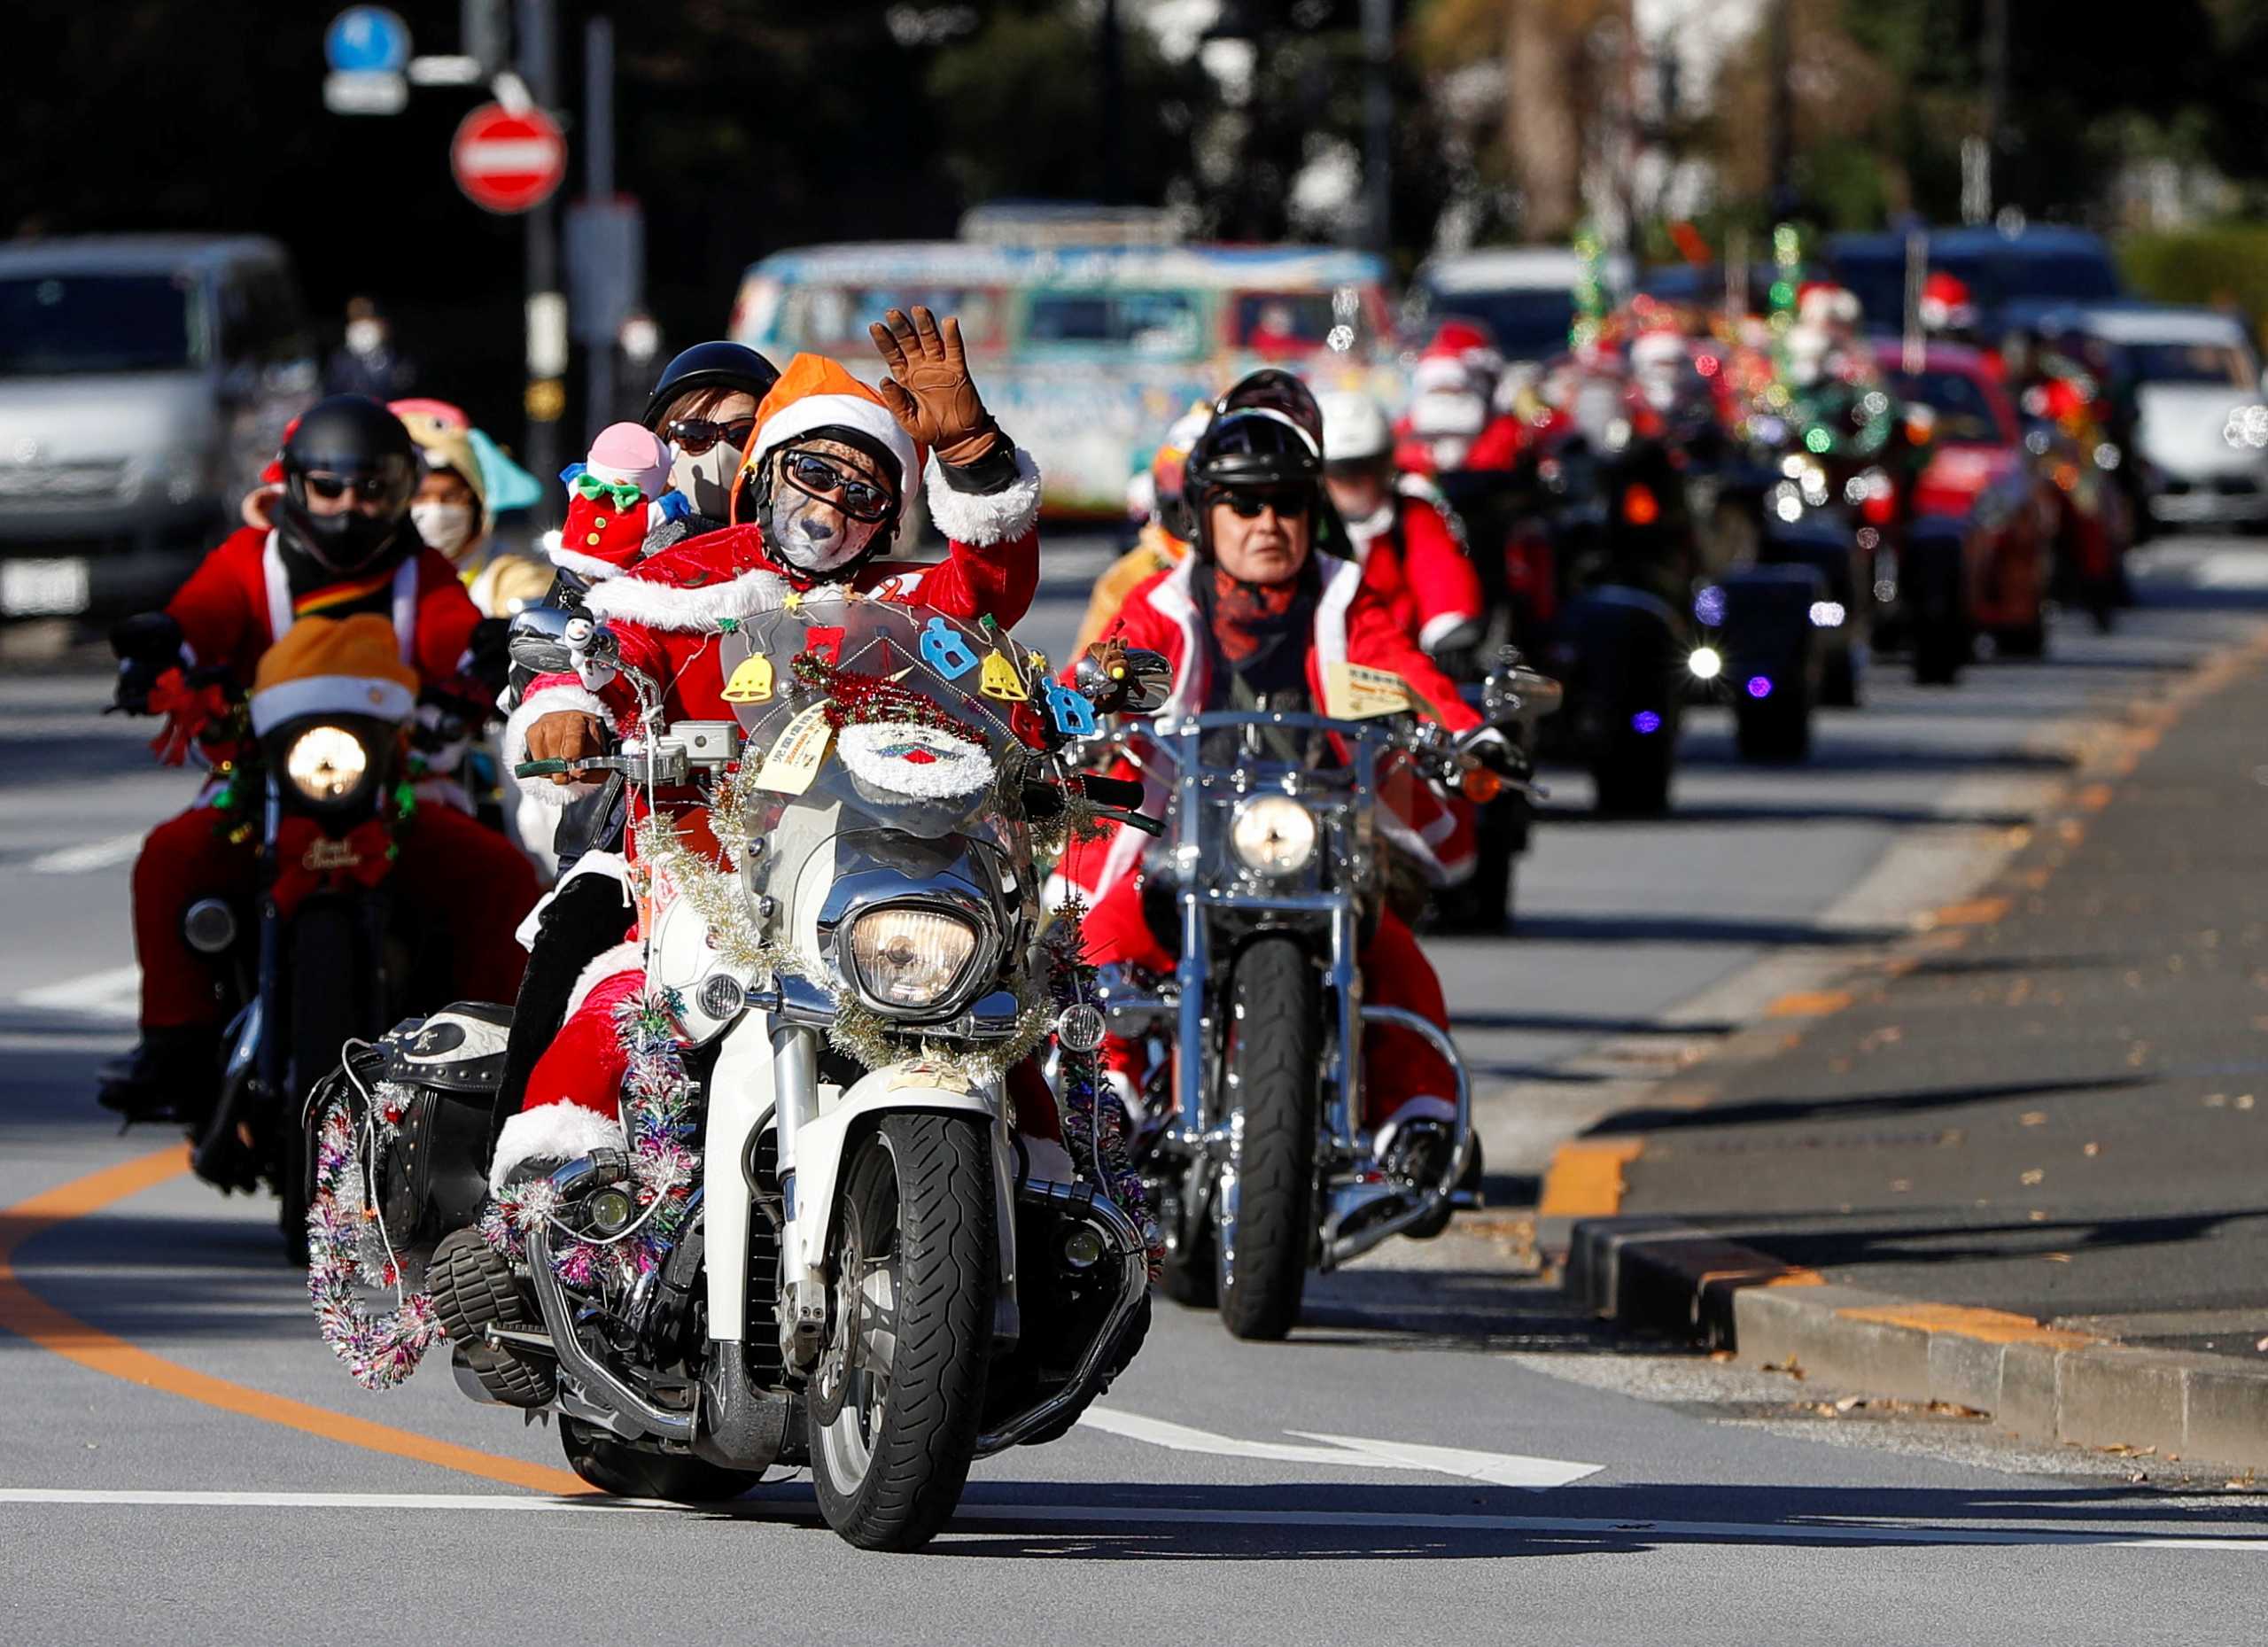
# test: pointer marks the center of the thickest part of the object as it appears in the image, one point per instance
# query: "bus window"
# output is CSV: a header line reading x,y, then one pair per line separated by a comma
x,y
829,319
1149,325
1281,325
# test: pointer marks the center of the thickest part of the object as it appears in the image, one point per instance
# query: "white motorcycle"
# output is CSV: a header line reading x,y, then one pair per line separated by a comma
x,y
829,1241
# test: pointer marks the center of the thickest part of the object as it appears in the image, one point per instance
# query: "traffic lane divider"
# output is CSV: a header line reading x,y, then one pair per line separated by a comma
x,y
25,1313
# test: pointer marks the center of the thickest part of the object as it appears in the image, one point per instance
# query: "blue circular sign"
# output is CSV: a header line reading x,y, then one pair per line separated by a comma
x,y
367,40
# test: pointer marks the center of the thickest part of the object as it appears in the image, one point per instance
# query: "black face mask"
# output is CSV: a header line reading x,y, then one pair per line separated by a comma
x,y
344,544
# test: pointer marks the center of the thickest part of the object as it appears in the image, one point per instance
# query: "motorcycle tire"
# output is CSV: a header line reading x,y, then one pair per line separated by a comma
x,y
1631,774
1271,1061
1838,685
916,1201
2021,640
1775,730
1940,652
328,1010
628,1471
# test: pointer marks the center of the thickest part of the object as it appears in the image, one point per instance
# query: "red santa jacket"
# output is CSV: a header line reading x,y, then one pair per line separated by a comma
x,y
1413,559
1498,446
1351,626
239,602
668,611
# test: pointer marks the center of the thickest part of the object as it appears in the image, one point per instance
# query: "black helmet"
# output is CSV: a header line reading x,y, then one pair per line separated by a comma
x,y
351,439
718,365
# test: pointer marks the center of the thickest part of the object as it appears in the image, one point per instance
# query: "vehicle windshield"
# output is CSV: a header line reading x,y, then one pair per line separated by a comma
x,y
1151,325
833,318
1964,411
946,675
62,325
1530,325
2223,364
1277,323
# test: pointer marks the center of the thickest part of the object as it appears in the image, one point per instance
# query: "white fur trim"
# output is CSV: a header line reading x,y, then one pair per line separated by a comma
x,y
583,565
1051,1162
329,694
627,956
532,709
567,1130
1342,581
960,767
681,610
870,418
979,518
1442,624
613,865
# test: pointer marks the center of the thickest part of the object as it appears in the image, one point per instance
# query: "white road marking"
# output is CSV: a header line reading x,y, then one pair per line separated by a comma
x,y
1345,1452
801,1508
2231,568
115,993
87,857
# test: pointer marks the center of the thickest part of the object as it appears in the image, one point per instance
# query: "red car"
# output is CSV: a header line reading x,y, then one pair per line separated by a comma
x,y
1982,520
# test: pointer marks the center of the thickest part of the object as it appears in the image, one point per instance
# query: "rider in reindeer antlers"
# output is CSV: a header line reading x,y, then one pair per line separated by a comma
x,y
1258,612
816,500
343,544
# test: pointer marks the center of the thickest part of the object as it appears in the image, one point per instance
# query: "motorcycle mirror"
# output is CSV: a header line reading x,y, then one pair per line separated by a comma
x,y
1122,679
1519,694
538,640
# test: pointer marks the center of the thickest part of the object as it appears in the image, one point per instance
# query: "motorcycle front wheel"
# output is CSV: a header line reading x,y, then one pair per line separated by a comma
x,y
898,1395
1267,1196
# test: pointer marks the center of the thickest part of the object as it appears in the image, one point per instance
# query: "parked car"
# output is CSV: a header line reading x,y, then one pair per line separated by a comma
x,y
1525,295
2186,378
144,382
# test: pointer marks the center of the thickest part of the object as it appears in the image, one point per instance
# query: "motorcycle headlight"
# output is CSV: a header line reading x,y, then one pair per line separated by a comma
x,y
1273,833
326,763
909,957
1705,663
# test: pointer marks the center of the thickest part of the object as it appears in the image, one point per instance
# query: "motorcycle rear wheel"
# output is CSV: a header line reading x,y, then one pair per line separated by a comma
x,y
629,1471
1271,1061
898,1398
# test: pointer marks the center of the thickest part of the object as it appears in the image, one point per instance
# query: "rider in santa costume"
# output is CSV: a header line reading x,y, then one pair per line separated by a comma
x,y
816,503
342,545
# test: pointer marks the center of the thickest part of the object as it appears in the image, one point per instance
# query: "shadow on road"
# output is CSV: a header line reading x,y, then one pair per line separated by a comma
x,y
1770,1112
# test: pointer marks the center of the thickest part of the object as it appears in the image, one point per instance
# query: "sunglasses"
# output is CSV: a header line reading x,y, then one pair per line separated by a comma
x,y
693,436
369,488
814,476
1290,503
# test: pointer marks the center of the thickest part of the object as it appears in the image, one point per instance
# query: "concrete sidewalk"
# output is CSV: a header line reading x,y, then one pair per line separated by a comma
x,y
2021,1163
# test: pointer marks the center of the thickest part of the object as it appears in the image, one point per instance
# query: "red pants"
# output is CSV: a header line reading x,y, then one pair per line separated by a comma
x,y
471,878
1397,1064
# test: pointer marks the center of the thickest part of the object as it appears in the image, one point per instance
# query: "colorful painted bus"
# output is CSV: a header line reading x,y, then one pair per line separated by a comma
x,y
1086,353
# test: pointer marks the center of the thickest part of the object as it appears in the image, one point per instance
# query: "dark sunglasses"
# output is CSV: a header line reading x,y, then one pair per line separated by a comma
x,y
693,436
814,476
369,488
1290,503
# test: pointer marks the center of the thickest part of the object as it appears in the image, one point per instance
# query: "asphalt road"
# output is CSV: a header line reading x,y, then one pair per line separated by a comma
x,y
1441,1451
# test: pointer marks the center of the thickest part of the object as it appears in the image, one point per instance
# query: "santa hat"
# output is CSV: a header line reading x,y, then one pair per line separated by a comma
x,y
1945,302
1823,302
1468,343
814,394
633,453
333,666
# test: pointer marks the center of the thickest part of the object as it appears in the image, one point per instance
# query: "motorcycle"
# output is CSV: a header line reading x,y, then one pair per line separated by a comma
x,y
1263,887
828,1243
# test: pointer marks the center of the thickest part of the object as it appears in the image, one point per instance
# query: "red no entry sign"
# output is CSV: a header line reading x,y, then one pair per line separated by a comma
x,y
507,162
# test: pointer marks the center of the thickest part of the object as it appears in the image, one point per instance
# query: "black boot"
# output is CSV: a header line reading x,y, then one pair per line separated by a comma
x,y
173,1074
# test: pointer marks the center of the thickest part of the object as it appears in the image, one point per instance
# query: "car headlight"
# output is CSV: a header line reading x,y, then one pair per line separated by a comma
x,y
909,957
1705,663
326,763
1273,833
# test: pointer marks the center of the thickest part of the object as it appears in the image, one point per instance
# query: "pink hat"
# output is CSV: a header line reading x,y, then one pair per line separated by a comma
x,y
633,453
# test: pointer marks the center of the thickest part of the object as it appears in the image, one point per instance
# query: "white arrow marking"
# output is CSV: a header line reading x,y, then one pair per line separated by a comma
x,y
87,857
1345,1452
801,1510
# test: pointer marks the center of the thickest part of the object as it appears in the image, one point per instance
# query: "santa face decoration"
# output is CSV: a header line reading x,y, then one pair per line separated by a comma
x,y
828,504
921,763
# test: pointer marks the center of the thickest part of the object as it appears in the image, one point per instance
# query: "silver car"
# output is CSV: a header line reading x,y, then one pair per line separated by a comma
x,y
144,382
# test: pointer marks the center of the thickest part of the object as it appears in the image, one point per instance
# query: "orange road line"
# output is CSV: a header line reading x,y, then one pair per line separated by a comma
x,y
1808,1004
1989,1326
26,1314
1585,1179
1977,912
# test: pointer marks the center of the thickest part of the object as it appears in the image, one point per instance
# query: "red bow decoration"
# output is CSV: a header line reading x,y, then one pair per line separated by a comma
x,y
188,711
307,860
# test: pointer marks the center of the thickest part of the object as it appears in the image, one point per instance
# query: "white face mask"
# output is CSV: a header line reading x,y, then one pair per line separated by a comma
x,y
706,480
812,537
365,336
447,526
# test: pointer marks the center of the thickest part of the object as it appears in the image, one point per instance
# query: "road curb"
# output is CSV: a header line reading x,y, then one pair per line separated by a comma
x,y
2039,1382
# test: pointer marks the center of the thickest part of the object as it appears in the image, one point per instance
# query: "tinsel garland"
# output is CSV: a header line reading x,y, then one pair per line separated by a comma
x,y
1095,1128
347,1250
860,1033
658,1103
716,897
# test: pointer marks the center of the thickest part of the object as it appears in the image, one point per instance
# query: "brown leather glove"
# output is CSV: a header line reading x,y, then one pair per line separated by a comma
x,y
566,734
929,389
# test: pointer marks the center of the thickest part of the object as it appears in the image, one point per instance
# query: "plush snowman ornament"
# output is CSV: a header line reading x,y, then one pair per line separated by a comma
x,y
613,501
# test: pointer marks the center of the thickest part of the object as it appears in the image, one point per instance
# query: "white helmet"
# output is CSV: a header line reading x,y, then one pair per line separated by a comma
x,y
1355,427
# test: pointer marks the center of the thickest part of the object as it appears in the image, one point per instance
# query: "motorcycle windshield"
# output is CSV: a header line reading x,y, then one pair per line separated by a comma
x,y
925,700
